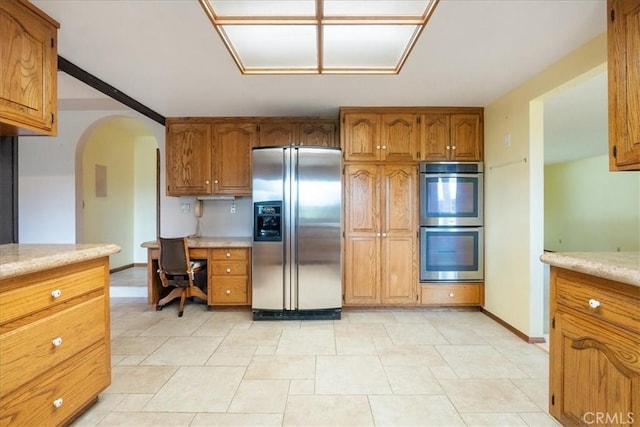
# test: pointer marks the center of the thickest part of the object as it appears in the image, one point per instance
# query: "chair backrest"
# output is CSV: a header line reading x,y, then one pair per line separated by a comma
x,y
174,255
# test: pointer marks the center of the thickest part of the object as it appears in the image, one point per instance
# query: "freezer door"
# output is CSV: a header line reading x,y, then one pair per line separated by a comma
x,y
317,247
268,256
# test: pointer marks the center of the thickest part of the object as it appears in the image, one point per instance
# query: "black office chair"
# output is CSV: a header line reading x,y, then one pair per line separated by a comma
x,y
178,271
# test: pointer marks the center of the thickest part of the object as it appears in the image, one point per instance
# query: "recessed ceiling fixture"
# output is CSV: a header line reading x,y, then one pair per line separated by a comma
x,y
319,36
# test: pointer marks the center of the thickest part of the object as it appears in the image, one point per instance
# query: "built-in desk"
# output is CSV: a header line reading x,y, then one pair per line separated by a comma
x,y
228,269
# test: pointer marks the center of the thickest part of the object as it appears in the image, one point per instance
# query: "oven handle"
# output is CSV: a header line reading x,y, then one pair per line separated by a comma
x,y
451,175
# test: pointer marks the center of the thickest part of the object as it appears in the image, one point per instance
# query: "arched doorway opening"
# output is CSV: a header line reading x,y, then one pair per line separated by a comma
x,y
117,187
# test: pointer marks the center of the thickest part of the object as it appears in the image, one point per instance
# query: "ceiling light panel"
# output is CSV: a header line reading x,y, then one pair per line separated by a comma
x,y
319,36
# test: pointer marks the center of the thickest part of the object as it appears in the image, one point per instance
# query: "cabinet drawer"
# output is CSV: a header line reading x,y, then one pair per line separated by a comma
x,y
453,294
598,301
29,350
228,268
228,290
39,291
229,254
73,384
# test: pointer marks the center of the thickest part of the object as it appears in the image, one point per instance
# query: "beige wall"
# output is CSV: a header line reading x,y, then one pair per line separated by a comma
x,y
588,208
514,191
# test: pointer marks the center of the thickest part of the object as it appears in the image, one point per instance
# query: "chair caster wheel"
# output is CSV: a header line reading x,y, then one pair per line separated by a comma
x,y
159,307
180,314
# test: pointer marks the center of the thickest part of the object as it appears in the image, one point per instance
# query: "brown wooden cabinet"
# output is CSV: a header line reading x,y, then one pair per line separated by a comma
x,y
380,234
280,132
189,158
452,294
594,351
232,144
229,271
451,137
209,157
623,59
371,136
28,70
55,356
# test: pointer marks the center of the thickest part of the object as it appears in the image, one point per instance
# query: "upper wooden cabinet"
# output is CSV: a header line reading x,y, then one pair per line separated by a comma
x,y
209,157
623,47
232,144
28,70
189,161
285,132
451,137
379,136
410,134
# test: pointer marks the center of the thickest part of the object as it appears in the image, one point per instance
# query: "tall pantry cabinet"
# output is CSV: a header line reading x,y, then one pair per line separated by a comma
x,y
381,193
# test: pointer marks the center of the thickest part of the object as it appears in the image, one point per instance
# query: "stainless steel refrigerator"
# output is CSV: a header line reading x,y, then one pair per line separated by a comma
x,y
296,255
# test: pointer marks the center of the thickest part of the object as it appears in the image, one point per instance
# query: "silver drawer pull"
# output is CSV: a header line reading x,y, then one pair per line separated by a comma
x,y
57,342
228,291
56,293
228,270
57,403
228,254
594,303
451,295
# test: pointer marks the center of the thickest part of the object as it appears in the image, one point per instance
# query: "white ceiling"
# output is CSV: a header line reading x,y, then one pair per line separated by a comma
x,y
166,55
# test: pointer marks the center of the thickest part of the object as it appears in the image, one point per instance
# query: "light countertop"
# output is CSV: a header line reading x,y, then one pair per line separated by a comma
x,y
623,267
19,259
210,242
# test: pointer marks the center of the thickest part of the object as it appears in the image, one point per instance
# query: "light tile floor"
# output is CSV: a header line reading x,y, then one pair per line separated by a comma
x,y
400,367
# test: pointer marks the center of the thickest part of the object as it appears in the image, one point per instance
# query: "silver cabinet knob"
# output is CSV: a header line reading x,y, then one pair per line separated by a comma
x,y
57,342
57,403
377,147
228,254
56,293
207,182
594,303
384,147
228,292
228,270
451,295
215,181
453,148
384,234
378,234
448,147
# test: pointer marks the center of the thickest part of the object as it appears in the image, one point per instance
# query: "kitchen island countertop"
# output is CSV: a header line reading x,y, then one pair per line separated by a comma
x,y
18,259
209,242
623,267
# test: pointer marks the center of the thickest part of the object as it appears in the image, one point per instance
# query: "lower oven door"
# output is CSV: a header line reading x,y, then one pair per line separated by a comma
x,y
451,254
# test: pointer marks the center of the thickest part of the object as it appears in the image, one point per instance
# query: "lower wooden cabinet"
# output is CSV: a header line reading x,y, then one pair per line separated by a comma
x,y
452,294
55,356
229,272
594,351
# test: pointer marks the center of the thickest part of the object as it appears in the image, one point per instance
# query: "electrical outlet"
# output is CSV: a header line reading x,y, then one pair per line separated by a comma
x,y
233,207
185,208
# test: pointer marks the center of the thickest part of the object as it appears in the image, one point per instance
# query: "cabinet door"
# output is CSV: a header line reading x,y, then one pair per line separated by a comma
x,y
362,229
595,371
362,270
321,134
188,159
435,144
623,40
232,144
399,265
399,139
277,134
361,136
465,137
28,70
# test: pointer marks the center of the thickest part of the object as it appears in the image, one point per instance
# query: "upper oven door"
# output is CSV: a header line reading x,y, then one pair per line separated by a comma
x,y
451,199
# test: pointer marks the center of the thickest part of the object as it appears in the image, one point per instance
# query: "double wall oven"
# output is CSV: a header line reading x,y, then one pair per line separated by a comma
x,y
451,222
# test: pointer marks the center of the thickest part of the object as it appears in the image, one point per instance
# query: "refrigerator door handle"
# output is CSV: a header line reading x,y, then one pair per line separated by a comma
x,y
293,240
